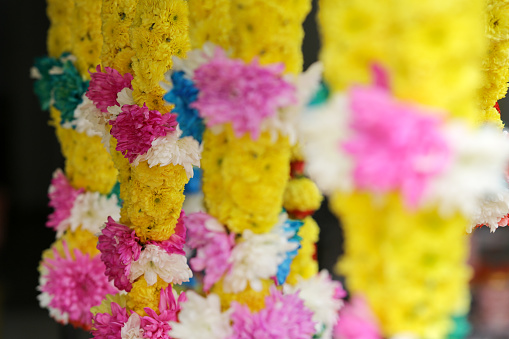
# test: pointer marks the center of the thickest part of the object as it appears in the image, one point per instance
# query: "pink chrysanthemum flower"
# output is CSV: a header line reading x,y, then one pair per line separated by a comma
x,y
119,247
213,247
74,285
104,87
284,317
157,326
62,196
136,127
109,326
396,146
174,245
240,93
356,321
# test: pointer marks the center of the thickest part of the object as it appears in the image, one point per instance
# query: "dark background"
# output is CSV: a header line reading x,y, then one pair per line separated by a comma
x,y
29,153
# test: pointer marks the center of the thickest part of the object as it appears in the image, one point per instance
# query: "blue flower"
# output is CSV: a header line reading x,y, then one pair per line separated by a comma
x,y
291,228
182,95
194,184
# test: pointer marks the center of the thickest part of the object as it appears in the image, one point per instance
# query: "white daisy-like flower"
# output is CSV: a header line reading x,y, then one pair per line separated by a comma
x,y
132,329
257,257
88,119
286,121
91,210
318,295
490,210
172,149
322,131
155,261
201,318
474,181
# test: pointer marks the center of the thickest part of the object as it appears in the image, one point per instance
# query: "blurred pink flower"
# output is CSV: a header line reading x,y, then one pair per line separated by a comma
x,y
284,317
109,326
395,145
356,321
244,94
213,247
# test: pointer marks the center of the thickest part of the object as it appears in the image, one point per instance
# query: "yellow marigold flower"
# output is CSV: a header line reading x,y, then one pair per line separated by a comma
x,y
302,194
491,116
157,32
153,199
123,61
209,21
255,300
270,30
86,35
59,34
247,182
142,295
87,163
304,265
105,306
410,270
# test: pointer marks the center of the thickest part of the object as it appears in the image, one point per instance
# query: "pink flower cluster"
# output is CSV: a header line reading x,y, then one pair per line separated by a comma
x,y
395,145
240,93
120,247
104,87
356,321
75,285
213,248
284,316
62,196
136,127
154,326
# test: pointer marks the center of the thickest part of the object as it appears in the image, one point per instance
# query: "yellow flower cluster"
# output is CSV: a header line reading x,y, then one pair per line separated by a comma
x,y
270,30
496,62
159,31
255,300
117,16
304,265
209,20
86,37
87,163
410,265
105,306
59,34
430,49
153,199
302,194
142,295
244,180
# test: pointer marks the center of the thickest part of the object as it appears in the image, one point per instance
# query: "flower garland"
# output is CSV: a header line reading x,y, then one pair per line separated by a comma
x,y
71,273
389,177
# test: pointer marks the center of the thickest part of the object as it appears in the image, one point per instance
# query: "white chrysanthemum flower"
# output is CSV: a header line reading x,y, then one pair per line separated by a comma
x,y
132,329
91,210
322,130
286,121
476,173
490,210
257,257
88,119
318,295
193,203
201,318
155,261
173,150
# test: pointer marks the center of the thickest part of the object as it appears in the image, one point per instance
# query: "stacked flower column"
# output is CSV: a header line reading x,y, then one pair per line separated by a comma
x,y
72,275
407,257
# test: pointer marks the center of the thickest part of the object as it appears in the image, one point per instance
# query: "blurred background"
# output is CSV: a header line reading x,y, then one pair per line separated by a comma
x,y
30,153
